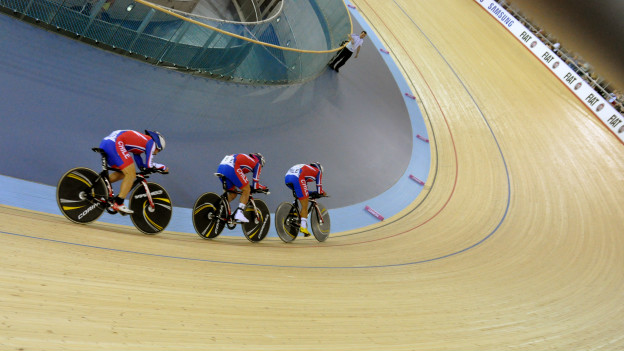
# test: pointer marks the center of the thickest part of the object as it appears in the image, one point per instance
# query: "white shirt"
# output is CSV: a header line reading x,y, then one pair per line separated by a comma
x,y
355,43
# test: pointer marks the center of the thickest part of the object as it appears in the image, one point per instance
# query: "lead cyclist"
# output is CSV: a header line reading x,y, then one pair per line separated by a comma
x,y
124,149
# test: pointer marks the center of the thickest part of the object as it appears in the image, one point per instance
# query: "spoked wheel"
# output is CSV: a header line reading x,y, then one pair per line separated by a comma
x,y
150,220
207,213
259,222
320,229
287,222
75,195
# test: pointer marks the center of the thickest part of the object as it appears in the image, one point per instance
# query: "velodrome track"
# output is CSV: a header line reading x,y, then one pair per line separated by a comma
x,y
514,243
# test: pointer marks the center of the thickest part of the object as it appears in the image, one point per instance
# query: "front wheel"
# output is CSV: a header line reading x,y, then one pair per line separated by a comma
x,y
148,219
259,221
77,193
320,229
208,215
287,222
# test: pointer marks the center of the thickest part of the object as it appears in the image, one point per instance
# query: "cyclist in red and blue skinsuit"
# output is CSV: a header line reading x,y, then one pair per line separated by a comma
x,y
123,149
234,167
297,179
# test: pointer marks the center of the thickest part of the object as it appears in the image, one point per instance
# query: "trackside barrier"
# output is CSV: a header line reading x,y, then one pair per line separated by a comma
x,y
583,90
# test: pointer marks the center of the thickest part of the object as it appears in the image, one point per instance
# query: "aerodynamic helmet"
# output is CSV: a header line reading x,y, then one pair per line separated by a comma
x,y
159,140
317,165
259,157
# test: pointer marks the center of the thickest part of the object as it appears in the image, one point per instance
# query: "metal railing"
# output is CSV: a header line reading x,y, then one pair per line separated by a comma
x,y
292,46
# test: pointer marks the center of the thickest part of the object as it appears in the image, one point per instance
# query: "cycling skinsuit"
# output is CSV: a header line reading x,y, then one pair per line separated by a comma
x,y
234,167
121,143
298,176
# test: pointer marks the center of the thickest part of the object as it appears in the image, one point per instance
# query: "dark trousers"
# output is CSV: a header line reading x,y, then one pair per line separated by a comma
x,y
343,56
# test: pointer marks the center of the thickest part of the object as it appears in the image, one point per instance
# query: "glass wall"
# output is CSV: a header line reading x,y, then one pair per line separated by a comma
x,y
293,45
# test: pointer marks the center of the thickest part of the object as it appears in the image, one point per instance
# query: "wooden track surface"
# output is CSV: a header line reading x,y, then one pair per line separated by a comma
x,y
516,243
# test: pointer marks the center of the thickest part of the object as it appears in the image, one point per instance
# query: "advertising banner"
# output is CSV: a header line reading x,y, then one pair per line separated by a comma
x,y
582,89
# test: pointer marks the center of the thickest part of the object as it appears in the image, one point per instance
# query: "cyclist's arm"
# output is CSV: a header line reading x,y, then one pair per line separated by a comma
x,y
149,153
256,177
139,161
319,183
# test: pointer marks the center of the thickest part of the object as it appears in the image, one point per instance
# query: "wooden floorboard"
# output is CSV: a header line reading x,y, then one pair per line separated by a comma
x,y
516,243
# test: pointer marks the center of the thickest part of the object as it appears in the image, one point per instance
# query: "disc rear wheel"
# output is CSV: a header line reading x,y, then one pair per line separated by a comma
x,y
287,222
75,194
207,214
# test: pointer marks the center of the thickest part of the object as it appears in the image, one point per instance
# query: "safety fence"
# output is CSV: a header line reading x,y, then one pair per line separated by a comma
x,y
292,45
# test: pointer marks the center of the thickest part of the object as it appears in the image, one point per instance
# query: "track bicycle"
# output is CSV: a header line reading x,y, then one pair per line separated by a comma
x,y
288,219
212,213
83,195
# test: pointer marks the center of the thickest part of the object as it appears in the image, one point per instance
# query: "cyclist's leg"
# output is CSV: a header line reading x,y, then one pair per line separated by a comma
x,y
115,176
246,191
239,215
300,186
129,174
231,179
304,207
118,157
303,196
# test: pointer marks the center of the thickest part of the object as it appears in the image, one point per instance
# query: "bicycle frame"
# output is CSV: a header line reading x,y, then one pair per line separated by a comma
x,y
140,179
226,200
312,207
317,210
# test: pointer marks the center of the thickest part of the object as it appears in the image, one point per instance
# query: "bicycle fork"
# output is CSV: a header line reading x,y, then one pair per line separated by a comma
x,y
319,215
152,206
255,209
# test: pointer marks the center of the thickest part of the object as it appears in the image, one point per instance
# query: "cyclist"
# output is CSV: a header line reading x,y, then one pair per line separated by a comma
x,y
297,179
234,167
119,145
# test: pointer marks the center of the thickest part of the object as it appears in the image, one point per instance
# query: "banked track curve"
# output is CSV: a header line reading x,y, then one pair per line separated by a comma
x,y
508,160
